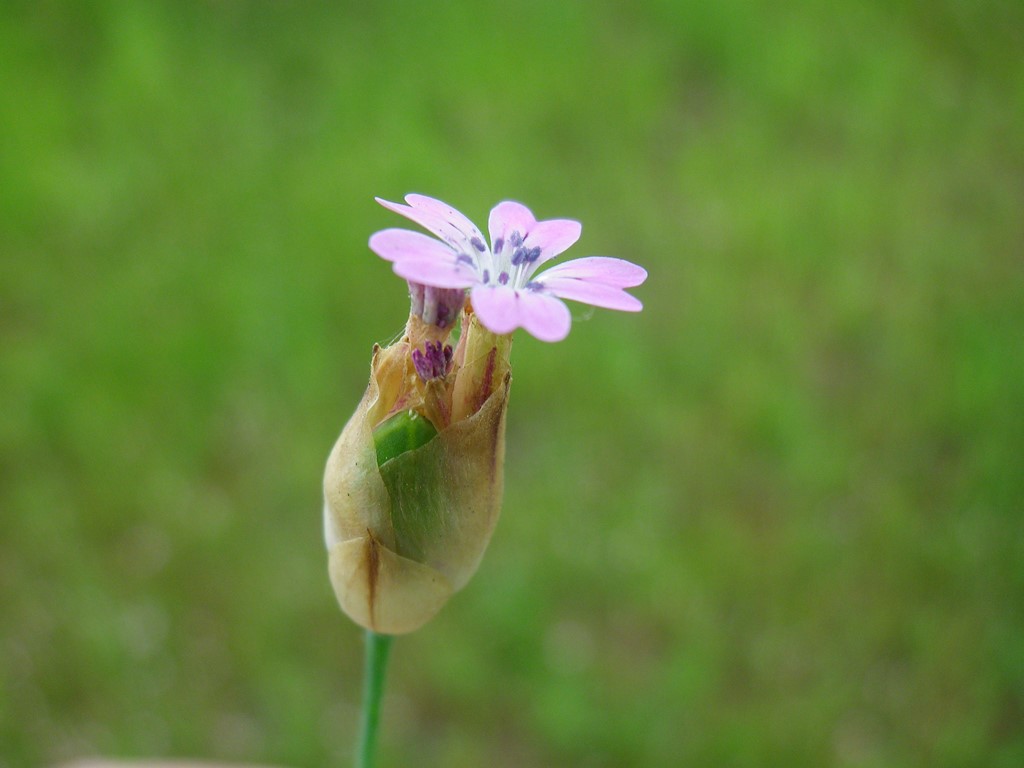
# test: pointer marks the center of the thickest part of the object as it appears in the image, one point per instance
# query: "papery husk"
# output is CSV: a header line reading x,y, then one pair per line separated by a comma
x,y
404,537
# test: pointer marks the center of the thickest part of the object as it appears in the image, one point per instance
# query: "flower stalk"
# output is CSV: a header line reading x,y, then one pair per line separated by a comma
x,y
375,667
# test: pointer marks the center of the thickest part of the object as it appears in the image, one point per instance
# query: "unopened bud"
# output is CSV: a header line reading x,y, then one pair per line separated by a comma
x,y
413,485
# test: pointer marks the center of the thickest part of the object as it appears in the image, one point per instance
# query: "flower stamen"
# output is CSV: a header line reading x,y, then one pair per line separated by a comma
x,y
434,362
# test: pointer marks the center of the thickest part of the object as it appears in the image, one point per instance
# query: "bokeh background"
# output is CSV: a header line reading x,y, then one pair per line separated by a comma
x,y
775,519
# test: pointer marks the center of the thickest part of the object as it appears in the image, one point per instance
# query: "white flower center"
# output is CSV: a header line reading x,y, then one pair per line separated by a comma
x,y
510,263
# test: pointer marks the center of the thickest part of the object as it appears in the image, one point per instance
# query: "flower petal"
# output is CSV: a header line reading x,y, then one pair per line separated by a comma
x,y
436,273
444,211
508,217
596,294
441,226
502,310
497,308
599,269
544,316
552,236
399,244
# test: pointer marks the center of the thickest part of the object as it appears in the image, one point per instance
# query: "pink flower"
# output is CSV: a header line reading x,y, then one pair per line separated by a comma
x,y
503,289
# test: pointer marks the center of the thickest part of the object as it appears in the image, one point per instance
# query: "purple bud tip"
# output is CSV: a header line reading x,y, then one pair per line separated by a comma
x,y
437,306
434,361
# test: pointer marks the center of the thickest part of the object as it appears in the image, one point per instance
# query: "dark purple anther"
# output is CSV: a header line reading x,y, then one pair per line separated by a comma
x,y
503,278
532,255
498,244
478,244
434,361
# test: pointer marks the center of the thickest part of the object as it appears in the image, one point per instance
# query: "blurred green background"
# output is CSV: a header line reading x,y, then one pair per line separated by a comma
x,y
775,519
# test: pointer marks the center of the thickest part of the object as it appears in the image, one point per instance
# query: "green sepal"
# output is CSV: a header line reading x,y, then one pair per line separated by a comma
x,y
405,431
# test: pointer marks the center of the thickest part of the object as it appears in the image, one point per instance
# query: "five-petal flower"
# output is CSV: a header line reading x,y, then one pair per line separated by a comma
x,y
503,289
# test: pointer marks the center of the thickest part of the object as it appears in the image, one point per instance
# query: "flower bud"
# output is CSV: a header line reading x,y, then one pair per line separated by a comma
x,y
413,485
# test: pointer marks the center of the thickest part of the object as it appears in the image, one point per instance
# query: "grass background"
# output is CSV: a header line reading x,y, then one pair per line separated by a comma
x,y
775,519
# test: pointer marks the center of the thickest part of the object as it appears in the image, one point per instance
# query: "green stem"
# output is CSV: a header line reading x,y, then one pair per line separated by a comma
x,y
376,662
